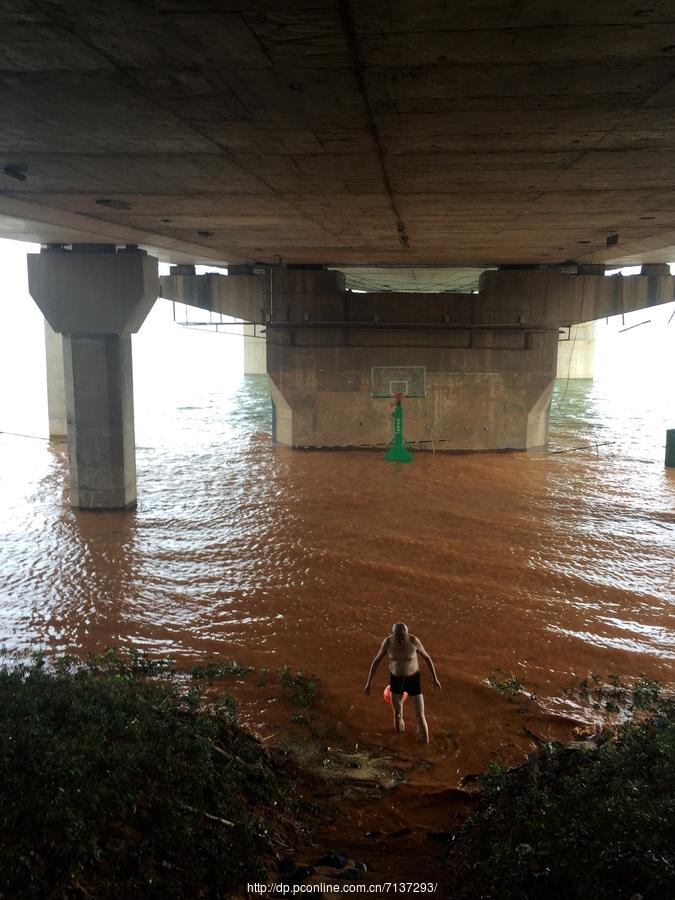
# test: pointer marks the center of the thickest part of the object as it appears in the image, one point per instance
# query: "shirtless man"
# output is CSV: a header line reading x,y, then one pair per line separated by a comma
x,y
403,649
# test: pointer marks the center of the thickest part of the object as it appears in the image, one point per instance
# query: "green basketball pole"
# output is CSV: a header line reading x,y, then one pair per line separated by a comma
x,y
399,450
670,448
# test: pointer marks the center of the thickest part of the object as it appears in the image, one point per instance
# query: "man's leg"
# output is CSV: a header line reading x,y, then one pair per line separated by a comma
x,y
422,727
397,706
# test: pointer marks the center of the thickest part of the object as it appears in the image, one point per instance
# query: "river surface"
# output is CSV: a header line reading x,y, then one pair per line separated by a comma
x,y
547,565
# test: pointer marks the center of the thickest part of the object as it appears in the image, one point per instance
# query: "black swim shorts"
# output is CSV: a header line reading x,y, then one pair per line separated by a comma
x,y
409,683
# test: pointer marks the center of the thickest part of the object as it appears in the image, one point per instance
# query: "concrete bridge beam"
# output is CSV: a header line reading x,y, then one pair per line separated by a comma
x,y
550,297
95,297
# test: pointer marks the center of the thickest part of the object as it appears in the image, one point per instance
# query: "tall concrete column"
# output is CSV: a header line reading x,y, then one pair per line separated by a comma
x,y
576,352
96,297
100,403
56,387
255,350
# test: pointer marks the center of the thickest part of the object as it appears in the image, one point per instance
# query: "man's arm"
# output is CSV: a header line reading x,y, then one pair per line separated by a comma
x,y
428,660
375,663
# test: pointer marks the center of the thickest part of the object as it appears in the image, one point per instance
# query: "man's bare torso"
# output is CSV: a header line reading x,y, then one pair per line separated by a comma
x,y
402,655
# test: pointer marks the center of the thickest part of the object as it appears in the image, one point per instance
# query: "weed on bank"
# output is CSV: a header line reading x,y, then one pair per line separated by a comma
x,y
115,783
577,822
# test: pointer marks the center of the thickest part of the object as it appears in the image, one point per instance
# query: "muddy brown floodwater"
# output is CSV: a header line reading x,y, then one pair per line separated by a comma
x,y
548,566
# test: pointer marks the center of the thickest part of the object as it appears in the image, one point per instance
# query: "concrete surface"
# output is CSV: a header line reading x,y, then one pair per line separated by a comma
x,y
94,292
488,387
342,131
255,350
99,398
56,385
576,352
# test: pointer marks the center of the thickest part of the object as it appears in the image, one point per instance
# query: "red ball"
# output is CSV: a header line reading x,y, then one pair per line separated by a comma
x,y
387,695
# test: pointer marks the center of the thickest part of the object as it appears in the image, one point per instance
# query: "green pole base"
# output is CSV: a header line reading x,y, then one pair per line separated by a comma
x,y
398,449
670,448
398,454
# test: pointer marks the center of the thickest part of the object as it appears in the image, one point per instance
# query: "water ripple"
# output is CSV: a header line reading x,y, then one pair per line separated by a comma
x,y
240,546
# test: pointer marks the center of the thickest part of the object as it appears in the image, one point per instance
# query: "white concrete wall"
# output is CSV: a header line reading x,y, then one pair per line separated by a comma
x,y
576,356
56,386
255,350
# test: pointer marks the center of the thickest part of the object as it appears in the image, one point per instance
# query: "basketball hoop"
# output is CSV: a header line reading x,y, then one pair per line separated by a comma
x,y
394,383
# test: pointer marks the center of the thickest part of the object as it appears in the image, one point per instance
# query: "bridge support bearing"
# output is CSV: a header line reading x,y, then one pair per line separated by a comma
x,y
96,297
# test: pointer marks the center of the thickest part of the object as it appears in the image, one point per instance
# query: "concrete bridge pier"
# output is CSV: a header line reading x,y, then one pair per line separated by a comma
x,y
255,350
576,351
489,371
56,384
490,357
95,296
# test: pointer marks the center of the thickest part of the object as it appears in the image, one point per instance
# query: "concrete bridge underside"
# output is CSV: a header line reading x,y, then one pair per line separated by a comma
x,y
342,131
315,141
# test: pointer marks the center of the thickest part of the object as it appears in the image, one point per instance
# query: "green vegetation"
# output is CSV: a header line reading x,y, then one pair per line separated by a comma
x,y
505,682
263,672
214,668
301,687
596,820
113,785
615,694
